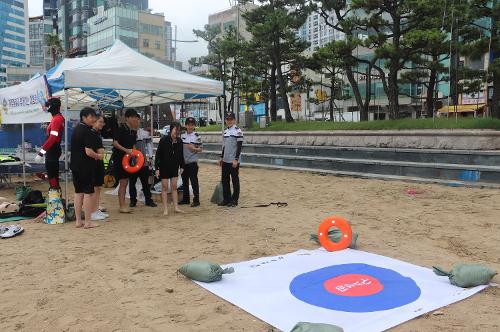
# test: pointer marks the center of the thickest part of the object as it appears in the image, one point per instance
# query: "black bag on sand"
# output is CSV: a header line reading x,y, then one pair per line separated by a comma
x,y
33,197
27,210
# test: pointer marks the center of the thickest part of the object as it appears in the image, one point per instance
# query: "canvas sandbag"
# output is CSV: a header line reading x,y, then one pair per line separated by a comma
x,y
316,327
335,235
467,275
69,212
204,271
218,194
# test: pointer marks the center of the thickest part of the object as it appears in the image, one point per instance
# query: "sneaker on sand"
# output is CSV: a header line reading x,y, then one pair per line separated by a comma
x,y
96,216
105,215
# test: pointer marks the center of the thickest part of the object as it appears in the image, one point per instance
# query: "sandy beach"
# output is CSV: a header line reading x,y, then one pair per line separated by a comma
x,y
122,275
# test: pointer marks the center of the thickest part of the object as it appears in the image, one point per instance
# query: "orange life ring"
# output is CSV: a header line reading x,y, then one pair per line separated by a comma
x,y
138,165
340,223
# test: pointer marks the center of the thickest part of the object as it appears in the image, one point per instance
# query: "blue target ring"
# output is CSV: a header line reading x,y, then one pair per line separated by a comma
x,y
397,290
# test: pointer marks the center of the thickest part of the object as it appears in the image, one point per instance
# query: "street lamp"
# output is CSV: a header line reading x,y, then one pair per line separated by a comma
x,y
180,41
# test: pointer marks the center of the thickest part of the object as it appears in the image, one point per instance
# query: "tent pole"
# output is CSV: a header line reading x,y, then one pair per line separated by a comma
x,y
66,146
152,114
24,154
157,119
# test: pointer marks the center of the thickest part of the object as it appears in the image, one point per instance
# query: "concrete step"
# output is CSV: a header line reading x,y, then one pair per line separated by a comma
x,y
442,171
451,183
467,157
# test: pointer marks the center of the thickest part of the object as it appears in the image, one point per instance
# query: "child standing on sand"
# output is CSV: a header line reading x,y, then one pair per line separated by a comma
x,y
169,158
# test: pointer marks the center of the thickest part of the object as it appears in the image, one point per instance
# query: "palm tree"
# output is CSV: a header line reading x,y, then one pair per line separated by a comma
x,y
53,42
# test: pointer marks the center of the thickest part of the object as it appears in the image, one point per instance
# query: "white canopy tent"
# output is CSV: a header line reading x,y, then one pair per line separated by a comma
x,y
124,76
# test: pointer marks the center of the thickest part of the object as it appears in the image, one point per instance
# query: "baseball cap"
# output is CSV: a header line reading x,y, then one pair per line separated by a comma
x,y
230,116
191,120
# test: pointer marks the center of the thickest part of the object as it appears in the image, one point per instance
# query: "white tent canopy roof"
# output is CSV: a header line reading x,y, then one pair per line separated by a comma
x,y
122,74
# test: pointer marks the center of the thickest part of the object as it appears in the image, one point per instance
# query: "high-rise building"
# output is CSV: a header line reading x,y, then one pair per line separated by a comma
x,y
112,24
152,35
138,4
14,46
50,16
169,50
73,18
232,17
317,32
36,40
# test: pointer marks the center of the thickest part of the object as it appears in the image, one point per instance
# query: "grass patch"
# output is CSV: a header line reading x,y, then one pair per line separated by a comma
x,y
403,124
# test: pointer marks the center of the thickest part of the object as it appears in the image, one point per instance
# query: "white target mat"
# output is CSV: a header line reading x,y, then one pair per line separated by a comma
x,y
355,290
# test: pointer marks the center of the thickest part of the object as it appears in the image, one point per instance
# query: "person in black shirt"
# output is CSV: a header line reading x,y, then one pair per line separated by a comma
x,y
169,158
145,145
99,167
83,160
124,139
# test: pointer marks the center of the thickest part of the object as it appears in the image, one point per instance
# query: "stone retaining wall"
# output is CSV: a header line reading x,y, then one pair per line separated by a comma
x,y
411,139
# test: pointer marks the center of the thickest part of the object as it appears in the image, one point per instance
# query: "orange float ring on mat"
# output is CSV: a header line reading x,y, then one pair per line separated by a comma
x,y
341,224
138,165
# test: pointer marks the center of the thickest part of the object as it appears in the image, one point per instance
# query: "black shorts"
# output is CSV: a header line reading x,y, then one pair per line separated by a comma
x,y
169,173
83,182
118,170
99,174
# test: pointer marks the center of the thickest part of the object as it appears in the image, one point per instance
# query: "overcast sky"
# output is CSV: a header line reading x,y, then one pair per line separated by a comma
x,y
186,14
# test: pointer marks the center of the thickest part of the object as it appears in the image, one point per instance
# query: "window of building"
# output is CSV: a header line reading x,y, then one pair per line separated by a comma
x,y
145,43
157,44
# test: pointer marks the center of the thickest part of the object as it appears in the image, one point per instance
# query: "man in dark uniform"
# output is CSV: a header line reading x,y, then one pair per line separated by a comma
x,y
192,145
124,139
51,149
83,159
230,161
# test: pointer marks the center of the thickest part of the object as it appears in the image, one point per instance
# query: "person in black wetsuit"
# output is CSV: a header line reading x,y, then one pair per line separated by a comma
x,y
169,158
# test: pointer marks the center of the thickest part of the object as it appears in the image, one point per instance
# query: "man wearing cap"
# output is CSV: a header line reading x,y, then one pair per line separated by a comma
x,y
124,139
230,161
191,142
51,149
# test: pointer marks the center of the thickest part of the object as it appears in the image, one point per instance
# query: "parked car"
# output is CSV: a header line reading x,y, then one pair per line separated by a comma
x,y
164,131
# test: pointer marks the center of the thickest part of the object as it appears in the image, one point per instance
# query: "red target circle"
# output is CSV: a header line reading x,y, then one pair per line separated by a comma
x,y
353,285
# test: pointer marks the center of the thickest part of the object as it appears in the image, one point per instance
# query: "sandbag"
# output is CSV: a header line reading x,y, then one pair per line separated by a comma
x,y
204,271
467,275
69,212
22,192
55,208
316,327
335,235
218,195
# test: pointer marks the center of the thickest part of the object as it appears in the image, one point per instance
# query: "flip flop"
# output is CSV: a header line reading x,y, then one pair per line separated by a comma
x,y
3,229
11,231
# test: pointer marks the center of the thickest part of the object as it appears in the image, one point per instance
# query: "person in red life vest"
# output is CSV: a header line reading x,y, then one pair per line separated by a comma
x,y
51,149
